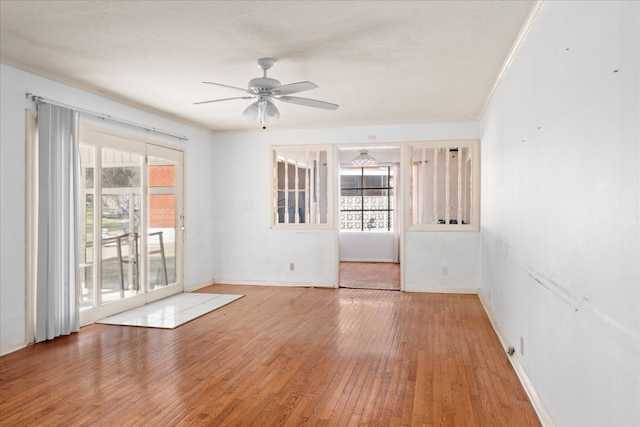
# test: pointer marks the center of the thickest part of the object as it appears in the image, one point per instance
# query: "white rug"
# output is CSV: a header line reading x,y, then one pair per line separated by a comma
x,y
172,311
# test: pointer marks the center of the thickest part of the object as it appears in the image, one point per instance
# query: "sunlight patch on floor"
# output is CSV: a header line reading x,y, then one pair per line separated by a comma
x,y
171,312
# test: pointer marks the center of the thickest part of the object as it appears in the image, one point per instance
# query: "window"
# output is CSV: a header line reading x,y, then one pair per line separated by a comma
x,y
367,199
301,186
445,192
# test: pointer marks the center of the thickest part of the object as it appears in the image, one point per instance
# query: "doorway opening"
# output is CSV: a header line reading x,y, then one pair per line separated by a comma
x,y
370,275
369,218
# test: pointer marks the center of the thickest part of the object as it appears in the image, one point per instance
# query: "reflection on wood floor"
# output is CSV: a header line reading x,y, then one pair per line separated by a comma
x,y
370,275
280,356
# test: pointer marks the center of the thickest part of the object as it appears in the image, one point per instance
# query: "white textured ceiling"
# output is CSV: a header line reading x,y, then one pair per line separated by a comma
x,y
383,62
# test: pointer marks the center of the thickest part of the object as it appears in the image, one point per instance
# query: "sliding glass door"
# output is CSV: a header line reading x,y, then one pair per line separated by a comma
x,y
130,224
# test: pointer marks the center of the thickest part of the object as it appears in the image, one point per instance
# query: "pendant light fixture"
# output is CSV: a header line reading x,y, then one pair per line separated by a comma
x,y
364,160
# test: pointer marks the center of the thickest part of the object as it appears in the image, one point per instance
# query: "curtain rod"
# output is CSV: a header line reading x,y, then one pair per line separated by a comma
x,y
36,98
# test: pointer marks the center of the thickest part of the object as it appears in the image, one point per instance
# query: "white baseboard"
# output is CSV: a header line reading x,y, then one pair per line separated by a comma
x,y
198,286
11,346
466,291
534,397
283,284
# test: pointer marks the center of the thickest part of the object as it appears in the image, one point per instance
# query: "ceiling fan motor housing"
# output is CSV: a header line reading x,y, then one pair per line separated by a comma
x,y
263,84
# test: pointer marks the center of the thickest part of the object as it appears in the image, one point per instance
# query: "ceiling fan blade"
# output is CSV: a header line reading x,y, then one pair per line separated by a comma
x,y
230,87
223,99
294,88
307,102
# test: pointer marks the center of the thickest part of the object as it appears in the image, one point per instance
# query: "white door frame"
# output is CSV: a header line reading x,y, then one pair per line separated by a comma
x,y
401,187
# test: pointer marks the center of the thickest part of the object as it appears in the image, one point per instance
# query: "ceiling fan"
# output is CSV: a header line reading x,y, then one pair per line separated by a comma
x,y
265,90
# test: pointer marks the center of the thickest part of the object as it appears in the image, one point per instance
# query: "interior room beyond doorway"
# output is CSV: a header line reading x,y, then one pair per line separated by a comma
x,y
370,275
369,217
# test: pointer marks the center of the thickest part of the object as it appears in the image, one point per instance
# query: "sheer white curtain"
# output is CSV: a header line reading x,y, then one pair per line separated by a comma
x,y
57,311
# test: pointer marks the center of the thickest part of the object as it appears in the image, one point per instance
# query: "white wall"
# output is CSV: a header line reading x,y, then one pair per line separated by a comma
x,y
367,246
248,251
561,187
14,84
442,261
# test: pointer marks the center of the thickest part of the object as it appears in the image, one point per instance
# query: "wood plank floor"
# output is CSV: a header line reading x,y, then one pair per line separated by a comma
x,y
370,275
279,356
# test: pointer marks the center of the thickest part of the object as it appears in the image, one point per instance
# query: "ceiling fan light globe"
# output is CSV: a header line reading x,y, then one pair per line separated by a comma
x,y
251,112
271,113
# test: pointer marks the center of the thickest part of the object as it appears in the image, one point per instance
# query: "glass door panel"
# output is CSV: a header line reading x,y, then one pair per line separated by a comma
x,y
86,226
164,221
161,240
121,189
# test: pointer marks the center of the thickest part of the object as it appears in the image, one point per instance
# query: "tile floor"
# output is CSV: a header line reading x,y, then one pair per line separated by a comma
x,y
171,312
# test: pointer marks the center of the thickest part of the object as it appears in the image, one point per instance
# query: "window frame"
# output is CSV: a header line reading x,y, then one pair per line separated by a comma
x,y
474,183
390,196
273,209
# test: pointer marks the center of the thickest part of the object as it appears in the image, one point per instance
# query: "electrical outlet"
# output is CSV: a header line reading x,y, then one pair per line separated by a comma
x,y
522,346
292,266
445,270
